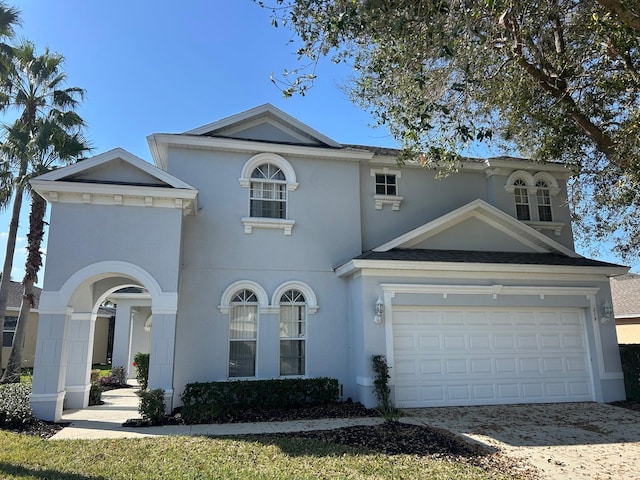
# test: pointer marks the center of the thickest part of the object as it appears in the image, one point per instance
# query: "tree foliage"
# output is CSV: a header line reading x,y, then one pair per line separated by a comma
x,y
554,80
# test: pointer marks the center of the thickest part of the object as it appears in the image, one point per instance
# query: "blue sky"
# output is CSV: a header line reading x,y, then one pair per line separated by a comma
x,y
165,66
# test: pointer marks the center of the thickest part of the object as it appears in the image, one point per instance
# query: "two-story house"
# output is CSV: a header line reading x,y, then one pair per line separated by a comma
x,y
271,251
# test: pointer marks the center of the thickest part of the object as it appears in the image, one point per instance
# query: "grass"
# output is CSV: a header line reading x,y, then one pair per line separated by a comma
x,y
24,457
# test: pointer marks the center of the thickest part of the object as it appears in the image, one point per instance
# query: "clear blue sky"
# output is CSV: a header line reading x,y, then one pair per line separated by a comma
x,y
166,66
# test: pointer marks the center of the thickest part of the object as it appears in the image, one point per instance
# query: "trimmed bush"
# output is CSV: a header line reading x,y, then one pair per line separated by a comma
x,y
15,409
205,402
118,376
95,394
630,358
381,387
152,406
141,362
95,375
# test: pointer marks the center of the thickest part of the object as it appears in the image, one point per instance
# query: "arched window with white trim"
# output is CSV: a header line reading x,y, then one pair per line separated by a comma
x,y
243,333
521,197
543,197
293,333
268,192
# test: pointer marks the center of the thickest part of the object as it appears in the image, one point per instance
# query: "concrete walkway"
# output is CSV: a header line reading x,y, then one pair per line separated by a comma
x,y
105,421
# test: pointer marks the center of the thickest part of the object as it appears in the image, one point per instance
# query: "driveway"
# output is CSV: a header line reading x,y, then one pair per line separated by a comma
x,y
568,441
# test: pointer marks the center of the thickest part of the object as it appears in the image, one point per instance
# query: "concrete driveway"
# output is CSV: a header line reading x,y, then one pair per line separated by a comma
x,y
568,441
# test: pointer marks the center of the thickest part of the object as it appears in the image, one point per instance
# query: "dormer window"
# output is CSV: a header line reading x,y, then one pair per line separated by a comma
x,y
544,202
269,179
521,196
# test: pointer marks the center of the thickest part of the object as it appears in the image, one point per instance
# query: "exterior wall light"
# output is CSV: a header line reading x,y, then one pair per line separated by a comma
x,y
607,310
379,311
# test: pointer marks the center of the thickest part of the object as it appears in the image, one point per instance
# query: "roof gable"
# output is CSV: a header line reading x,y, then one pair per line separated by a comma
x,y
477,226
265,123
116,167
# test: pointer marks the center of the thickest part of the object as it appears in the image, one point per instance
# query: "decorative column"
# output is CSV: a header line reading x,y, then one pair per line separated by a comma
x,y
50,364
121,338
163,332
80,330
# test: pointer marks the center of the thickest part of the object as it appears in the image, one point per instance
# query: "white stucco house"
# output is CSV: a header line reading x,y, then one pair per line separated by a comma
x,y
269,250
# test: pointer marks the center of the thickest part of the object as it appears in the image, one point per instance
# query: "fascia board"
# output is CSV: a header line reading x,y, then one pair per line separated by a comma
x,y
487,289
400,266
628,316
43,186
248,146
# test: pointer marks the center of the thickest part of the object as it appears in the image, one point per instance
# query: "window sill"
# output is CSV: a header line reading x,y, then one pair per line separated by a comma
x,y
278,223
540,226
392,200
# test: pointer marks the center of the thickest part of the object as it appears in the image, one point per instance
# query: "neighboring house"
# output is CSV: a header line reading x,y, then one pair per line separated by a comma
x,y
104,319
625,291
14,300
271,251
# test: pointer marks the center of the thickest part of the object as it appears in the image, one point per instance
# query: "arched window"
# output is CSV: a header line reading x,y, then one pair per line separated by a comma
x,y
543,198
243,333
521,196
268,193
293,333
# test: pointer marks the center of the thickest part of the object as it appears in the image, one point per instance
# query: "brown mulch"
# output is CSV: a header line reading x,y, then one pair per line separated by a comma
x,y
628,404
38,428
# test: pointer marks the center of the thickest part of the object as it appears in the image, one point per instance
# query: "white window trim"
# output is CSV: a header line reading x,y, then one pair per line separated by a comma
x,y
231,290
285,224
539,226
309,295
380,200
278,295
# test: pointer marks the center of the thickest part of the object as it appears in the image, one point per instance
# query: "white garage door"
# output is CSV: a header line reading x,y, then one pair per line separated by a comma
x,y
449,356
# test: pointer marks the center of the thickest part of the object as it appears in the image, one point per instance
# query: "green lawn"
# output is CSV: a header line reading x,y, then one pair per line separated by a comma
x,y
24,457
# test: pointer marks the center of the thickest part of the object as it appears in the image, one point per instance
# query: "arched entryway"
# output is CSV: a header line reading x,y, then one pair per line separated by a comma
x,y
66,330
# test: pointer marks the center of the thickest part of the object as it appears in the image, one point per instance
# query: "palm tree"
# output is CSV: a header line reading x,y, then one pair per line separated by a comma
x,y
9,19
46,131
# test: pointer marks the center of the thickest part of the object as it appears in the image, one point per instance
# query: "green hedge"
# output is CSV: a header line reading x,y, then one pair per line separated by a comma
x,y
630,357
205,402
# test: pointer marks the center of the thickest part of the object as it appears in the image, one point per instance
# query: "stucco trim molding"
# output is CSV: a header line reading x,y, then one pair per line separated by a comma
x,y
231,290
309,295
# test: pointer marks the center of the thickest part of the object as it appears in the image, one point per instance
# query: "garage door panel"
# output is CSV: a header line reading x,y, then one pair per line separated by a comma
x,y
488,357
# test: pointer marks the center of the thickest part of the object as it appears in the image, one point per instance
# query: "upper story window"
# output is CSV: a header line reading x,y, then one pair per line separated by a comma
x,y
243,334
543,198
293,333
269,179
386,188
268,193
522,200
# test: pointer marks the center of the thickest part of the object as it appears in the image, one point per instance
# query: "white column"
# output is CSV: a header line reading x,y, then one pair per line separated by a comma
x,y
81,327
163,334
50,365
122,339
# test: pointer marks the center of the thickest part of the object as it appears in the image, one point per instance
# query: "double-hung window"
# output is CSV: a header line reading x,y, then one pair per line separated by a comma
x,y
268,196
544,202
293,321
521,200
243,334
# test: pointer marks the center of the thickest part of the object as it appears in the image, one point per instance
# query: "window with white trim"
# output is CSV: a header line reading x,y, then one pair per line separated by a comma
x,y
269,178
386,188
243,334
543,198
521,196
386,184
293,333
10,325
268,192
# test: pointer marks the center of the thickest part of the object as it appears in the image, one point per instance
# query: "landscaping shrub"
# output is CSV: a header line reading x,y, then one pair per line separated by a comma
x,y
141,362
95,375
152,406
630,357
381,387
15,409
95,393
205,402
118,376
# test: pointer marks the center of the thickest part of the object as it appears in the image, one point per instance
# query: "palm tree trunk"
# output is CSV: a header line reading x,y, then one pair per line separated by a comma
x,y
5,281
32,267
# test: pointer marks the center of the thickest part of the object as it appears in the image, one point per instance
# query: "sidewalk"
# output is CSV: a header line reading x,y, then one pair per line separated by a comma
x,y
105,421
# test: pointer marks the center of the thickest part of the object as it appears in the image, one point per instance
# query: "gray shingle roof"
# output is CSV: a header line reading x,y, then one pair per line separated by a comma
x,y
466,256
625,292
15,295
